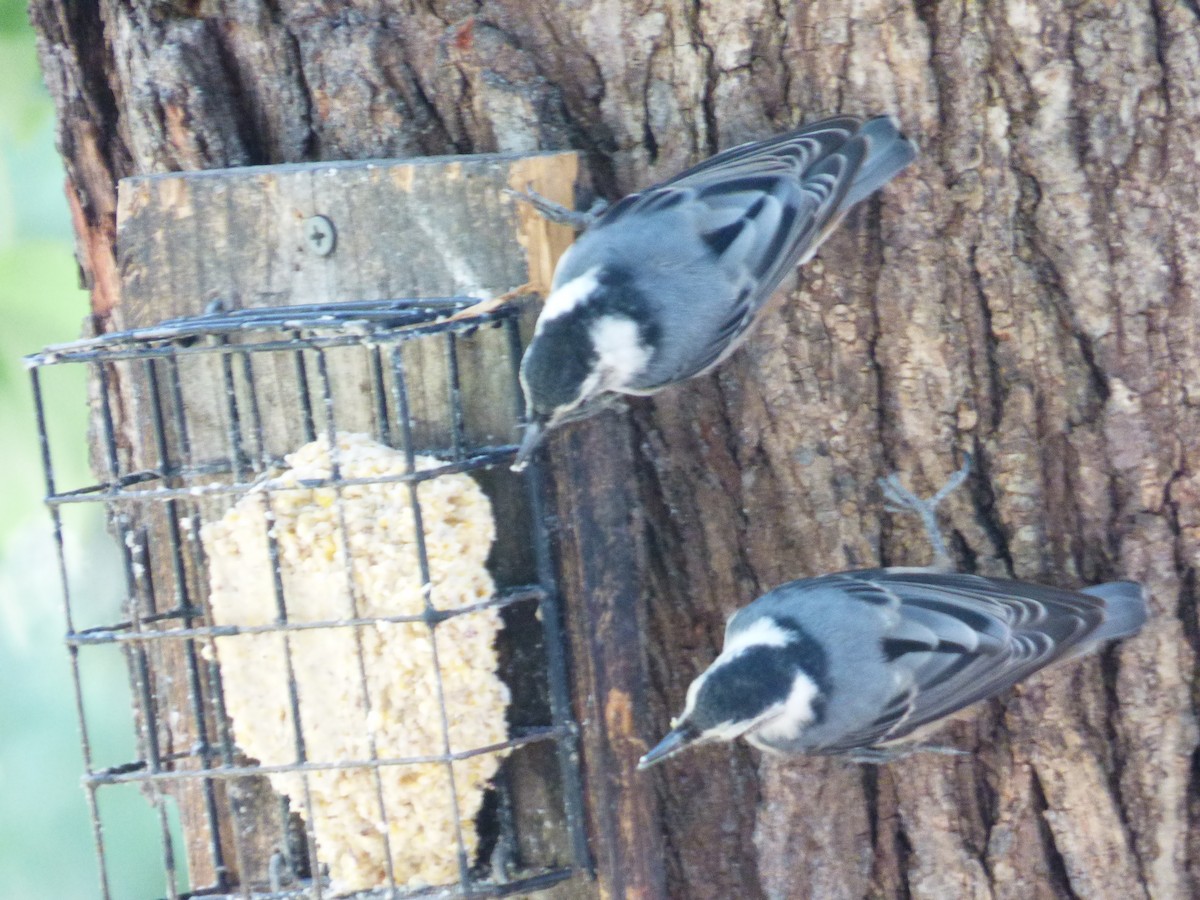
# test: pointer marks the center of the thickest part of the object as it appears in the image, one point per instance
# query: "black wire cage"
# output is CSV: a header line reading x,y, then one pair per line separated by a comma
x,y
196,426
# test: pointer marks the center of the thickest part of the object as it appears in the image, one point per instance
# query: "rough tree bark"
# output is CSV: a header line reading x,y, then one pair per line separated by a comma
x,y
1029,291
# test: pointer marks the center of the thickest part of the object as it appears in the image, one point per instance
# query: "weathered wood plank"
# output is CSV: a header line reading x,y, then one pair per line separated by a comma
x,y
600,542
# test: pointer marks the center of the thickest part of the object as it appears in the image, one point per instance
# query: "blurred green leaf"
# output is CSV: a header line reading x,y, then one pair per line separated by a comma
x,y
31,173
14,19
24,101
40,303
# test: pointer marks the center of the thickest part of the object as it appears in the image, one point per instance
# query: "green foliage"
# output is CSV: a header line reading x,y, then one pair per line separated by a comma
x,y
32,205
14,19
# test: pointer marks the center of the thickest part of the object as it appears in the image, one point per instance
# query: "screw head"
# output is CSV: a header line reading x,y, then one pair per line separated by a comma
x,y
320,235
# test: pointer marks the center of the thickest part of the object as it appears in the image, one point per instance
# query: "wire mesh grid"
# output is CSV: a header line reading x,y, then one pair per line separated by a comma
x,y
193,418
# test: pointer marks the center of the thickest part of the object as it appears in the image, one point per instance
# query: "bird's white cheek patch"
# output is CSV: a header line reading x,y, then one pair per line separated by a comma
x,y
564,299
619,346
797,712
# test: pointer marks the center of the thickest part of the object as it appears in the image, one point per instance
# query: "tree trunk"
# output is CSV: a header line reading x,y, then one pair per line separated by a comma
x,y
1029,291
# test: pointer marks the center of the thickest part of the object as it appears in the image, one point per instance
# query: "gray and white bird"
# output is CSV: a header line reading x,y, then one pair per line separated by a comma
x,y
858,663
663,285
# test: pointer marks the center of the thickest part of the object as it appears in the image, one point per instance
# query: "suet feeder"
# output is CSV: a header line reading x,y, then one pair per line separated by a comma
x,y
341,682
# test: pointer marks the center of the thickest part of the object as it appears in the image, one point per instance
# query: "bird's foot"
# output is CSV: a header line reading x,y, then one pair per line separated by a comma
x,y
901,499
559,214
603,403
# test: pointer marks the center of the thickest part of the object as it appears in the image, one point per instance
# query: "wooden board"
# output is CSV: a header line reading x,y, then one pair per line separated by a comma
x,y
602,575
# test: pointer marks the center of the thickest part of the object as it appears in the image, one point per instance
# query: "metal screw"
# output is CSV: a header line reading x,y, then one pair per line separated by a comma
x,y
320,235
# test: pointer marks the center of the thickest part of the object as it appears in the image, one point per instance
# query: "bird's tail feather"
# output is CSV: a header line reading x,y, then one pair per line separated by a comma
x,y
888,152
1125,609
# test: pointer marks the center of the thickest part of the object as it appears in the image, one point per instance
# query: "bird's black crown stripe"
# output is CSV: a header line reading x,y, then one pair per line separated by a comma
x,y
804,651
620,296
762,676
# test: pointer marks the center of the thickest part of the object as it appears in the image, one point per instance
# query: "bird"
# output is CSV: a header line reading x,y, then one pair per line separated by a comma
x,y
665,284
864,664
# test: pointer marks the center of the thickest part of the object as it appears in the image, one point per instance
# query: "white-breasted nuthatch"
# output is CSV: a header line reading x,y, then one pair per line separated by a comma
x,y
664,284
858,663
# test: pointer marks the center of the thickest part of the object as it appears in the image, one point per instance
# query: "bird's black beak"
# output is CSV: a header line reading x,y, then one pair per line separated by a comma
x,y
677,739
535,432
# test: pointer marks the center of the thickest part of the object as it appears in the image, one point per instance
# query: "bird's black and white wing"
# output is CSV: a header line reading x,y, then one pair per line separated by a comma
x,y
761,209
964,638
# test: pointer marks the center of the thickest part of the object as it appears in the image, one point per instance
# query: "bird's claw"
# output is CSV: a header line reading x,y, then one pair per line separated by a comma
x,y
604,403
555,212
899,499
